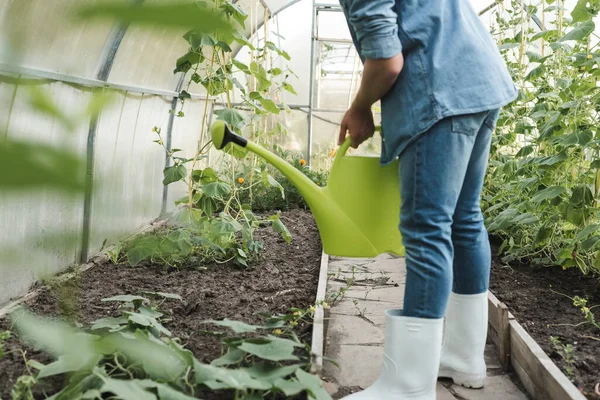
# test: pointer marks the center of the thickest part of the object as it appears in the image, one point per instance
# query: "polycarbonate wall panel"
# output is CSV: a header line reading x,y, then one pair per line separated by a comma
x,y
128,167
43,35
40,232
146,58
185,136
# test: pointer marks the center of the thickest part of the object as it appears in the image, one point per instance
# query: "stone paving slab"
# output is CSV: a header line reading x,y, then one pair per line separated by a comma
x,y
355,329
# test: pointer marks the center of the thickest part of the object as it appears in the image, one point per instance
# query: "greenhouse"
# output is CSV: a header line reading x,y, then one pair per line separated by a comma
x,y
294,199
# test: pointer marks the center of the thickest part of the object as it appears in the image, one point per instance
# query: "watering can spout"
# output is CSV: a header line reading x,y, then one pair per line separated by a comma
x,y
357,212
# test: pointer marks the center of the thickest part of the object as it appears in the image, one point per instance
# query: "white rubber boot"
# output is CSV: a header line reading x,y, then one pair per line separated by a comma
x,y
410,362
465,335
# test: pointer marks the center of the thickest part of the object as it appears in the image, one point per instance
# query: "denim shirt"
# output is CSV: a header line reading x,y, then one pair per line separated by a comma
x,y
452,65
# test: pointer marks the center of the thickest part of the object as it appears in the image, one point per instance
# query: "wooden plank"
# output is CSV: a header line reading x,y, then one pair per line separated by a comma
x,y
499,332
549,382
318,333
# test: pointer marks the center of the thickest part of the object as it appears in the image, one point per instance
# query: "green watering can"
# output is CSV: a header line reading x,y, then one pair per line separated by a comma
x,y
357,213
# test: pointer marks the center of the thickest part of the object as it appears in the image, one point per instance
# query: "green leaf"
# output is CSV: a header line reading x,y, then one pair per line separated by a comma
x,y
222,378
110,323
173,15
508,46
543,234
528,182
36,165
198,39
271,46
313,385
62,366
525,151
235,11
276,71
268,180
216,190
590,242
546,35
548,193
533,56
580,32
165,295
290,387
126,390
167,393
535,73
271,373
186,62
42,103
241,66
595,164
143,248
174,173
225,225
270,105
289,88
587,231
279,227
232,117
184,95
232,357
582,13
582,196
276,349
236,326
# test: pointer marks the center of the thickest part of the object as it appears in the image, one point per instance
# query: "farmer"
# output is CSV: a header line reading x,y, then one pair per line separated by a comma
x,y
441,82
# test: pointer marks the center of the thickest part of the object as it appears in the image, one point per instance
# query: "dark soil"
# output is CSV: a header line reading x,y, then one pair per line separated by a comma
x,y
285,276
532,295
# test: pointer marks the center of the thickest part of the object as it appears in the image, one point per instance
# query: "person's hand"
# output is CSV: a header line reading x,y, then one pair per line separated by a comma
x,y
358,123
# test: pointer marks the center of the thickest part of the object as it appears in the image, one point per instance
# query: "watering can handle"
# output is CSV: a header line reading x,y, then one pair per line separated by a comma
x,y
345,146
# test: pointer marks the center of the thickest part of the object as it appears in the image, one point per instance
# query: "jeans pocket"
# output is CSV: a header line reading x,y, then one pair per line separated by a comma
x,y
492,119
468,124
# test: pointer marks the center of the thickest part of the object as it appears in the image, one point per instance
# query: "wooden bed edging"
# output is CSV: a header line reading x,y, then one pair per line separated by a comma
x,y
538,373
321,315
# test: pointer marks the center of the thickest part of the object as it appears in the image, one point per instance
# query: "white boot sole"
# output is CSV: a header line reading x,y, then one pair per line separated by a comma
x,y
472,381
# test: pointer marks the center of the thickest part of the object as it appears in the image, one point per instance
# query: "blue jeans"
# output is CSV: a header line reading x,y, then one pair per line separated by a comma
x,y
447,246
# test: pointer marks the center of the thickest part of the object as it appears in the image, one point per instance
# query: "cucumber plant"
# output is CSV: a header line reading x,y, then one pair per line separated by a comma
x,y
542,187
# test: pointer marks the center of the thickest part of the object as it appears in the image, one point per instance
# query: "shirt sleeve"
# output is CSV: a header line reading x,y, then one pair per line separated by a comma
x,y
375,24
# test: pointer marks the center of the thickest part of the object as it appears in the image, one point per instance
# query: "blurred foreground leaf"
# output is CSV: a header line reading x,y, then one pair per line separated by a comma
x,y
25,165
65,342
176,15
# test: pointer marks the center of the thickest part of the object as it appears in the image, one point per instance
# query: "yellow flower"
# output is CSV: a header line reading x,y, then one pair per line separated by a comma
x,y
325,305
240,180
297,313
585,310
312,309
583,68
303,162
589,56
293,323
332,153
277,332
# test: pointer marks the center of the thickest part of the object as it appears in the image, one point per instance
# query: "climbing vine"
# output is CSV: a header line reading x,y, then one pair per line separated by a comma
x,y
541,195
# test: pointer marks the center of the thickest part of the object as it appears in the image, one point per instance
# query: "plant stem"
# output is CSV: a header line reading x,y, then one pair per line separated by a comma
x,y
202,127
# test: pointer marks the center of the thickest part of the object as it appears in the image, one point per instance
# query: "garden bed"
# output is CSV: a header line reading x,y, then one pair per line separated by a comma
x,y
285,276
537,297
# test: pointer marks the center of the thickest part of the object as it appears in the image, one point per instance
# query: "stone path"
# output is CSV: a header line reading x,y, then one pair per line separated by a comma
x,y
358,292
